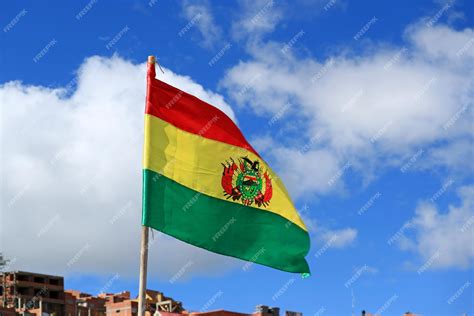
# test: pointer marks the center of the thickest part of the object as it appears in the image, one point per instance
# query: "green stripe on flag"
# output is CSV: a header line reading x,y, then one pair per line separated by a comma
x,y
223,227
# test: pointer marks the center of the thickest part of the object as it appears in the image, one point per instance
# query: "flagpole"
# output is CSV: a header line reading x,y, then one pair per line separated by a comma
x,y
143,271
145,230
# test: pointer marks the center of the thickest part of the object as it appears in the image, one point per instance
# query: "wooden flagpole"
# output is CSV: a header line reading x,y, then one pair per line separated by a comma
x,y
143,272
145,230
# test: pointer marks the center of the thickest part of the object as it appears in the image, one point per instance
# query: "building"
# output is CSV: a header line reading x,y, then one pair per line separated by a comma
x,y
5,311
364,313
155,301
260,310
32,292
117,304
124,308
82,304
38,294
35,294
263,310
220,312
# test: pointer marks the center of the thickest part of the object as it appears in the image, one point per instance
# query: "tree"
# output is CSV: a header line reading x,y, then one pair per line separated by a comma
x,y
3,262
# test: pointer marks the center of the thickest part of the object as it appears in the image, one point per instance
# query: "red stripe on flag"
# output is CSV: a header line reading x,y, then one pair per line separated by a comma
x,y
193,115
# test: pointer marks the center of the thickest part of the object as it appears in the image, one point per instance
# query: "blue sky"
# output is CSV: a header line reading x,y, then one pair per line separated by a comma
x,y
364,108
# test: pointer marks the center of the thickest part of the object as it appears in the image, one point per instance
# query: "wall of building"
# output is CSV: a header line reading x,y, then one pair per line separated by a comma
x,y
28,291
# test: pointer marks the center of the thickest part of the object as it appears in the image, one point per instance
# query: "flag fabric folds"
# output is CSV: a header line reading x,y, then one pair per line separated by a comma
x,y
204,184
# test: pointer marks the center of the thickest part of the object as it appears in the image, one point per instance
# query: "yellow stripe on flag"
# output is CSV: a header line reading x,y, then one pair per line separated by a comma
x,y
196,162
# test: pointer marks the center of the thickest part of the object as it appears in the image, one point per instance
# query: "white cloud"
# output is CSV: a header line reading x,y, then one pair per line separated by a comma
x,y
370,110
300,172
199,13
367,269
455,47
325,236
257,17
455,156
71,175
444,239
339,238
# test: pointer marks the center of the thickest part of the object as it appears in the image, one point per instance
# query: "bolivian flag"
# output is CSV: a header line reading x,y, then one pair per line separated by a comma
x,y
204,184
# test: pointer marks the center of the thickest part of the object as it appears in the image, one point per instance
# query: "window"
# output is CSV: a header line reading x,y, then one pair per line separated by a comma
x,y
23,277
38,292
23,290
38,280
54,281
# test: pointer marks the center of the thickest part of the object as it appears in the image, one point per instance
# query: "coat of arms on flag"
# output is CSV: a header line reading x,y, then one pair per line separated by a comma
x,y
247,182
